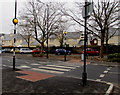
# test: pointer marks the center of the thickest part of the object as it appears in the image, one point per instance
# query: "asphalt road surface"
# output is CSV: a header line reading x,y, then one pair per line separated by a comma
x,y
61,68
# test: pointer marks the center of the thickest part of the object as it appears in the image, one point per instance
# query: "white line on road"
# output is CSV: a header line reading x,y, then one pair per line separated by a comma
x,y
48,71
27,62
23,67
98,79
9,60
105,71
53,68
102,75
61,66
34,64
108,68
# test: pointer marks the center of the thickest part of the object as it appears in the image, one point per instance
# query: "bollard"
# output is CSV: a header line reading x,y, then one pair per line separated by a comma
x,y
82,57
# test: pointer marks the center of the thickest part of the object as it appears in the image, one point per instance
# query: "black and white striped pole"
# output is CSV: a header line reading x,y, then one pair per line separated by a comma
x,y
15,21
65,47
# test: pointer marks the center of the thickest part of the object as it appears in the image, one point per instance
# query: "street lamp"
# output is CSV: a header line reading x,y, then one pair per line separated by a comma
x,y
65,46
15,21
87,10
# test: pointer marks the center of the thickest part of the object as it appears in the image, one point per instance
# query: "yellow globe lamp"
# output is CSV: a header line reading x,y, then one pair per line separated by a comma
x,y
65,32
15,20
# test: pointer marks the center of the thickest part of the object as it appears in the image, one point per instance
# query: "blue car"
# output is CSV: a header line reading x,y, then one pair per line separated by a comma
x,y
62,51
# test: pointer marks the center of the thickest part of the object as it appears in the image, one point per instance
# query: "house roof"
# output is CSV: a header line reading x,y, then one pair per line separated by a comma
x,y
24,43
8,37
11,37
81,42
112,30
73,35
69,35
34,43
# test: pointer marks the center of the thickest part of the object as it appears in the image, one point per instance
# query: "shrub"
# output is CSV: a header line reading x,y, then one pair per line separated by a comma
x,y
114,57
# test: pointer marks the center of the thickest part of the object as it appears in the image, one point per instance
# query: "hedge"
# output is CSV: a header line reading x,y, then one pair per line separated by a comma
x,y
114,57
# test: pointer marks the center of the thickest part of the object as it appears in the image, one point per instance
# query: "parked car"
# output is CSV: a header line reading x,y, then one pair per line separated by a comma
x,y
90,51
62,51
25,50
6,50
16,50
37,51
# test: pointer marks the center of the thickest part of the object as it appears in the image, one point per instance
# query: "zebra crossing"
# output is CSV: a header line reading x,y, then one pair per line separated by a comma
x,y
55,69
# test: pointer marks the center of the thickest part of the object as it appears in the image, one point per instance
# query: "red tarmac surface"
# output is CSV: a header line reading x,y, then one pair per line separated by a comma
x,y
33,76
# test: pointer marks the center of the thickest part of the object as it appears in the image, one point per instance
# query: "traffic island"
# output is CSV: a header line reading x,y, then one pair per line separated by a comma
x,y
56,85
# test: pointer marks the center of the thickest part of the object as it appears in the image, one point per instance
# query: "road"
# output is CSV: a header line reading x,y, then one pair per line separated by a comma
x,y
61,68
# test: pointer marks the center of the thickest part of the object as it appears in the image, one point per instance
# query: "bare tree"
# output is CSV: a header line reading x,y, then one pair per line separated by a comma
x,y
63,25
25,32
43,18
104,17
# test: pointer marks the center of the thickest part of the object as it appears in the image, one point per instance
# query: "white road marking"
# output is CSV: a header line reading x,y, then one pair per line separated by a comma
x,y
61,66
34,64
27,62
105,71
9,60
48,71
53,68
23,67
102,75
98,79
108,68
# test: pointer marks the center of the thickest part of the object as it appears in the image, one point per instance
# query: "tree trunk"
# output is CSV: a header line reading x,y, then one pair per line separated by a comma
x,y
101,49
61,43
102,44
28,44
107,46
42,45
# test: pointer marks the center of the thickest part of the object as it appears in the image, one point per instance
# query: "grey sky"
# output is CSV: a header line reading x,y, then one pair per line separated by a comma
x,y
7,12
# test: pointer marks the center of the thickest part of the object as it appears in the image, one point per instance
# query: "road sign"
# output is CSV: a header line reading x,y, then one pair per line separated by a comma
x,y
89,9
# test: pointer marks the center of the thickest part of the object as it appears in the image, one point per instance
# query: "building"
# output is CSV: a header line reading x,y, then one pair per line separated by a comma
x,y
115,40
72,39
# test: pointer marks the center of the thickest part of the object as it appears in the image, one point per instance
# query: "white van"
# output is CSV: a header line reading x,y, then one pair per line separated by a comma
x,y
25,50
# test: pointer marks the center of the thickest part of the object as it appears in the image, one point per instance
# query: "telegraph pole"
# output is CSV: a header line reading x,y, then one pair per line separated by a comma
x,y
15,21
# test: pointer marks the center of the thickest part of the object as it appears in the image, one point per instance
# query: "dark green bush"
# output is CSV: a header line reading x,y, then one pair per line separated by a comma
x,y
114,57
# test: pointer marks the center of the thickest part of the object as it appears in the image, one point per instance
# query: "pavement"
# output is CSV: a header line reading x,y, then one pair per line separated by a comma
x,y
30,82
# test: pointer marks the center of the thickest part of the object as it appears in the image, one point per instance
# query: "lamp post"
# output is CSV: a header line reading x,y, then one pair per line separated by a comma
x,y
15,21
87,10
65,47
